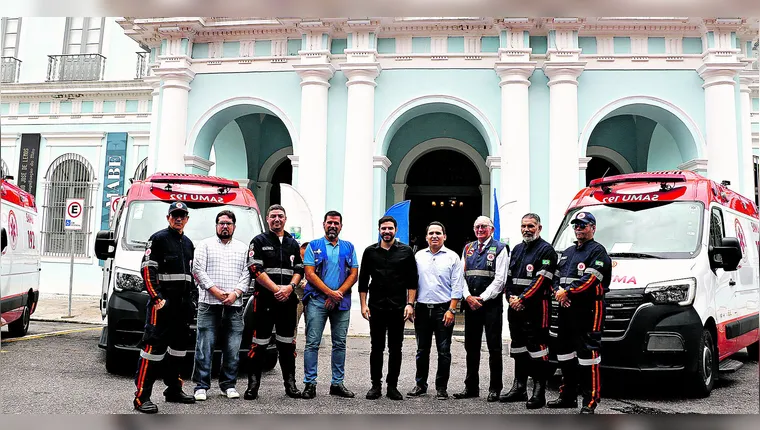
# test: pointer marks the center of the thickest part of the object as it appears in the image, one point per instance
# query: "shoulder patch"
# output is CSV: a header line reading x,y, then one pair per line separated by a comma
x,y
545,261
599,263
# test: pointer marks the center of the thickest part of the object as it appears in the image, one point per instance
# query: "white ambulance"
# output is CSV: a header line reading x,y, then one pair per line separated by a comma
x,y
685,289
20,260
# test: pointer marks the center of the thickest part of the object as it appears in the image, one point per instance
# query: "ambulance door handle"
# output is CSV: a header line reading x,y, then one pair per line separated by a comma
x,y
731,282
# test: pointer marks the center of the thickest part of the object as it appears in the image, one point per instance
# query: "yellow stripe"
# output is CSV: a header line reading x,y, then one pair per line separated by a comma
x,y
54,333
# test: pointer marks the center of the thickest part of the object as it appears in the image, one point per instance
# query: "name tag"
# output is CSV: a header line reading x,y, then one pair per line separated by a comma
x,y
267,248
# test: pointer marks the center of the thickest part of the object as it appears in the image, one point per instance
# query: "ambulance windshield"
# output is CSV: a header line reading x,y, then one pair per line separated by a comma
x,y
147,217
642,230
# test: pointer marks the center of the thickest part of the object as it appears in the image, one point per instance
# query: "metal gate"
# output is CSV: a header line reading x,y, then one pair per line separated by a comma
x,y
70,176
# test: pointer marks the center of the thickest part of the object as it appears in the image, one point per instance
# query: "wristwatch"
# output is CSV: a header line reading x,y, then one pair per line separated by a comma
x,y
293,284
452,310
410,304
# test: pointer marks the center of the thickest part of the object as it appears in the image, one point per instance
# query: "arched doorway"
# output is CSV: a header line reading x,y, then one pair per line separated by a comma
x,y
283,174
443,185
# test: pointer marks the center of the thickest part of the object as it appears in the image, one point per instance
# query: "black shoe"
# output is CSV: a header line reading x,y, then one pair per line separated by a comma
x,y
393,393
538,399
585,410
309,391
374,393
493,396
562,402
441,394
416,391
252,392
290,388
518,392
340,390
178,397
146,407
466,394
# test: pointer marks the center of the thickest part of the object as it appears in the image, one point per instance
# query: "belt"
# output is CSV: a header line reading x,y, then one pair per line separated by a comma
x,y
434,305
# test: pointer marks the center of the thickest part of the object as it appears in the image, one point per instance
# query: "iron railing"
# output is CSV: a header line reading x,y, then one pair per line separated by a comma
x,y
9,72
76,67
141,172
142,65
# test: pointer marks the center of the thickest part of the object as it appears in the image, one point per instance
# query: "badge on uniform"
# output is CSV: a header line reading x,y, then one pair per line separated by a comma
x,y
250,253
599,263
147,252
581,268
490,257
545,262
470,251
529,268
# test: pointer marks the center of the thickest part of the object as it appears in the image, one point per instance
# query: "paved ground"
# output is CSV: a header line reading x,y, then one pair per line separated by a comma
x,y
58,368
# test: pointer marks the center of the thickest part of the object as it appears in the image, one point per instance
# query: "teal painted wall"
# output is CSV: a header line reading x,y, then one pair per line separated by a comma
x,y
229,149
131,106
656,45
262,48
424,128
455,45
109,106
200,50
230,49
420,45
622,45
336,141
87,106
23,108
5,108
338,45
539,148
539,44
489,44
64,108
294,45
587,45
386,45
692,45
44,108
755,104
663,151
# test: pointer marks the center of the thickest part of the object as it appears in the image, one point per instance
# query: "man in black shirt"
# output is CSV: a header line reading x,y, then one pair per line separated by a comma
x,y
393,270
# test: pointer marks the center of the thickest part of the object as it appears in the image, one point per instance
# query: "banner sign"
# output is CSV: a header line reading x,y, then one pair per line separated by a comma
x,y
28,163
113,177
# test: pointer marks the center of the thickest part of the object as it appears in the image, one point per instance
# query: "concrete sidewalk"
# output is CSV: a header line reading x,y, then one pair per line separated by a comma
x,y
55,308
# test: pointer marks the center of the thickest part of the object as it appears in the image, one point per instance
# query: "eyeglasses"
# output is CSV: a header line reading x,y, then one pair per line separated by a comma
x,y
482,227
225,224
580,226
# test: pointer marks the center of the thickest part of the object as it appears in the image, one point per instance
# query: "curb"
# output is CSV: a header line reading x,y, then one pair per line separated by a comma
x,y
64,320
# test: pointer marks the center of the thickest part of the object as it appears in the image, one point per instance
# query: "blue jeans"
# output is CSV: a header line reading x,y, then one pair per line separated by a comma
x,y
316,318
228,322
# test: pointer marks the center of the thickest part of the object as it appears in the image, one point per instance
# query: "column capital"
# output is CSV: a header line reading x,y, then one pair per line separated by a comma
x,y
198,162
381,161
293,160
563,72
719,73
360,73
583,162
493,162
315,74
698,165
514,72
175,72
748,79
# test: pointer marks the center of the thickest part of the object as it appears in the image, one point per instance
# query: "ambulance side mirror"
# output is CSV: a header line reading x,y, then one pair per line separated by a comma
x,y
4,240
105,245
726,256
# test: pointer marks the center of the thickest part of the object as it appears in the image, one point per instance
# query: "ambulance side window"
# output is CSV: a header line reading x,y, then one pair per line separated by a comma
x,y
716,227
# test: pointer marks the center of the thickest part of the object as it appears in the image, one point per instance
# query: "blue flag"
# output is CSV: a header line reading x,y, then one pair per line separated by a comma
x,y
496,222
400,211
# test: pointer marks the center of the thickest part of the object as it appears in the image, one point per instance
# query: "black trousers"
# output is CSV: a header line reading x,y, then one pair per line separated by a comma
x,y
428,321
487,318
384,322
269,314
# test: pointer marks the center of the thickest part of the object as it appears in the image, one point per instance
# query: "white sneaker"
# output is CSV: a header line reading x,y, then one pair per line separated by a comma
x,y
200,395
232,393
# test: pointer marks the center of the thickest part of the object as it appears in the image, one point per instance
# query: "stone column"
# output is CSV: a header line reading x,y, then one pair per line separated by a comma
x,y
748,172
155,83
175,75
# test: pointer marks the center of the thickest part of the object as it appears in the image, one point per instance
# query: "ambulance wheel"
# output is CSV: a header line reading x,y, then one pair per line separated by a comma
x,y
703,379
754,351
20,327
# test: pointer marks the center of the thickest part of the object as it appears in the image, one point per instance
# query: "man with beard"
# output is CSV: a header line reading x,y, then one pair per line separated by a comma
x,y
584,276
222,277
331,270
274,260
529,283
393,272
439,290
485,269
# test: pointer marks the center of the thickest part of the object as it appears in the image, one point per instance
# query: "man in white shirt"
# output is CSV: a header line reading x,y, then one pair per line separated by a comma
x,y
485,271
439,290
222,276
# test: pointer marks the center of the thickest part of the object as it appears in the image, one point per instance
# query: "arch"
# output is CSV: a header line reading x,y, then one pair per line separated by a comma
x,y
674,119
271,163
614,157
436,103
229,110
141,172
4,171
442,143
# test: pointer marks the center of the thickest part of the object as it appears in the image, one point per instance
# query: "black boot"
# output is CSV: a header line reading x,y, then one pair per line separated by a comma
x,y
287,353
290,387
568,391
254,380
374,392
518,392
539,374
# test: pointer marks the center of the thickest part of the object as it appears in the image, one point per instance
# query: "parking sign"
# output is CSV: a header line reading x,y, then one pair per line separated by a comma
x,y
74,211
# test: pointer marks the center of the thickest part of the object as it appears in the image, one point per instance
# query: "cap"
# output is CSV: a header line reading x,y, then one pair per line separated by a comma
x,y
177,206
583,218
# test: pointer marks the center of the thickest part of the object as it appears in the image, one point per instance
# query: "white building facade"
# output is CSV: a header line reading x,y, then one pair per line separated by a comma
x,y
358,114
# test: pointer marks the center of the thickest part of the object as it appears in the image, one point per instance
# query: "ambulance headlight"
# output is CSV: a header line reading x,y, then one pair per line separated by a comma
x,y
127,281
677,291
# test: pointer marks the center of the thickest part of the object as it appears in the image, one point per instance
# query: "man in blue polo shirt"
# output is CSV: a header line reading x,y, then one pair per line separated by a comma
x,y
331,269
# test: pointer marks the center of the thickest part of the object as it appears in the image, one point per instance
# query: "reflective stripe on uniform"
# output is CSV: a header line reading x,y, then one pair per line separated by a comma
x,y
590,361
539,354
151,357
298,266
486,273
259,262
283,339
565,281
566,357
175,353
545,274
522,281
174,277
594,272
258,341
149,263
278,271
518,350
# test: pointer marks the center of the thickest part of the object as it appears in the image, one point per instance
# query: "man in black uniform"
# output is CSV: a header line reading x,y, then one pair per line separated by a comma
x,y
583,278
274,259
529,285
167,272
485,268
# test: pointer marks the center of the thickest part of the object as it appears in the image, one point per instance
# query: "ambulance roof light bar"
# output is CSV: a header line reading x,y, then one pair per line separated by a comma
x,y
186,178
638,177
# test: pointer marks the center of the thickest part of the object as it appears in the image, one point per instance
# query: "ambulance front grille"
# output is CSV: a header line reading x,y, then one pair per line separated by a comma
x,y
620,308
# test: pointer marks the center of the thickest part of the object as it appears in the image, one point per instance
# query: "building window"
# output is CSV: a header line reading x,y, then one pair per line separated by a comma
x,y
84,35
70,176
141,172
4,169
11,27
